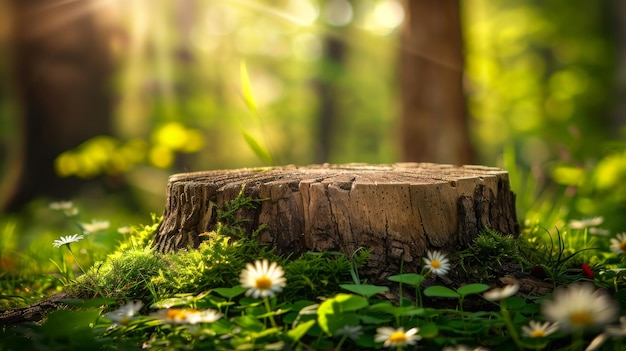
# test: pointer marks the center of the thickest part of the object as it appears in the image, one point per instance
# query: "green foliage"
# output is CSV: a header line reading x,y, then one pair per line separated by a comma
x,y
317,274
595,186
260,150
216,263
530,88
489,245
311,312
125,274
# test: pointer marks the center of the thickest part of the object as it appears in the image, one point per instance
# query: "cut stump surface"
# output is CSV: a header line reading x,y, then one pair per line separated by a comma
x,y
399,211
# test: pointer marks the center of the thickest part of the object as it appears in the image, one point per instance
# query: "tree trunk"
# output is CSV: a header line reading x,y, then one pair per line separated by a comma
x,y
61,69
618,117
434,117
335,53
398,211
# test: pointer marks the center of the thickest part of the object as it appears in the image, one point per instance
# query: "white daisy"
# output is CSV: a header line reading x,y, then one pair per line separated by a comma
x,y
536,329
61,205
618,244
66,240
187,315
262,279
579,306
67,207
94,226
396,337
124,314
498,294
585,223
124,230
599,231
437,262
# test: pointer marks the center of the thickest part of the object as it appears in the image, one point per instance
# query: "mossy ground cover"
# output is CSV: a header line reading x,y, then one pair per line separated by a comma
x,y
135,298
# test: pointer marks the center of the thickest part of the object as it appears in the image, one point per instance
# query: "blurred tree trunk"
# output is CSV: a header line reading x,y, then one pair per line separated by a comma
x,y
434,125
61,69
328,94
619,20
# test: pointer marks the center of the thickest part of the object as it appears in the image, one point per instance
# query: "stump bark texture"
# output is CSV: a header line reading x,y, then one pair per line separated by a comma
x,y
399,211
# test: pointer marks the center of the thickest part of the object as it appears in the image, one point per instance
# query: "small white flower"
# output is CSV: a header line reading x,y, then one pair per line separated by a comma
x,y
124,230
498,294
599,231
437,262
585,223
580,306
262,279
66,240
204,316
352,331
396,337
618,244
61,205
124,314
536,329
187,315
67,207
94,226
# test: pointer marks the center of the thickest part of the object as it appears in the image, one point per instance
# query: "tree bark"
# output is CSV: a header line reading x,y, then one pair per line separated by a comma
x,y
398,211
434,114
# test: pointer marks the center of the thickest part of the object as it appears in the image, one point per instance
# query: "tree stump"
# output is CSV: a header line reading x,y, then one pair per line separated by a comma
x,y
399,211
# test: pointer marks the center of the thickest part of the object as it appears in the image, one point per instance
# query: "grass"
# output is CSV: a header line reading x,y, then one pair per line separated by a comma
x,y
325,304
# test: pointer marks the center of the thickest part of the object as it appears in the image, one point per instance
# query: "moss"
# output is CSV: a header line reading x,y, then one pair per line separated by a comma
x,y
125,273
499,249
216,263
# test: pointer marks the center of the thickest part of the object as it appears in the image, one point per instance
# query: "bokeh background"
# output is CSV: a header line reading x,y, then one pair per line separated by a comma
x,y
102,100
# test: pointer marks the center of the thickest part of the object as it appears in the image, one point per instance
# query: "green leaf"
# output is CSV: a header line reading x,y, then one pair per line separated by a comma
x,y
261,152
173,301
249,323
68,323
429,330
396,311
472,289
375,319
366,290
246,88
408,278
332,311
298,332
229,293
441,291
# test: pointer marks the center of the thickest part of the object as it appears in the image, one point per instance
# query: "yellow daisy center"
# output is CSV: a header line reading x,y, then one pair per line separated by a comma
x,y
538,333
581,318
435,264
176,314
397,338
263,283
622,245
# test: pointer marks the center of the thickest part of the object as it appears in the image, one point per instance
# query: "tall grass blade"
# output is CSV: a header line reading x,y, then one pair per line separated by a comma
x,y
261,152
246,89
